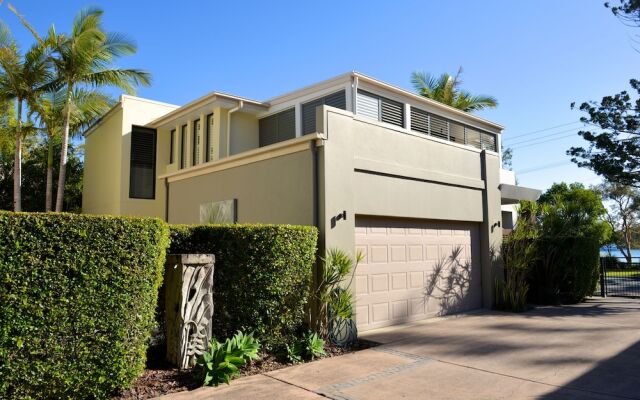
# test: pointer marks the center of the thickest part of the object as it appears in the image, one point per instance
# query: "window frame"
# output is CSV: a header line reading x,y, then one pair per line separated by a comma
x,y
195,127
183,146
172,138
154,132
207,139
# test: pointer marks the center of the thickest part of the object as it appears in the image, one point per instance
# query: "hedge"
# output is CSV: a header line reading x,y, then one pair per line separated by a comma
x,y
77,300
262,276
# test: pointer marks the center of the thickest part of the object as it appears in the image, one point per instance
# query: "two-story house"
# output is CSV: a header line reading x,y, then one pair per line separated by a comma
x,y
412,183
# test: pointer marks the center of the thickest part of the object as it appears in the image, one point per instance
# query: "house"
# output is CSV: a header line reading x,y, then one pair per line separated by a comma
x,y
411,183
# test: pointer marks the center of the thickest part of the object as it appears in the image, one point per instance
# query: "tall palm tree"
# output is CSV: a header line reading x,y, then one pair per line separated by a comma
x,y
21,78
446,89
50,107
85,58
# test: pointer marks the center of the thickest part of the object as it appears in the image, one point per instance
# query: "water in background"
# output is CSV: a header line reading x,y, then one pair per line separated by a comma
x,y
613,251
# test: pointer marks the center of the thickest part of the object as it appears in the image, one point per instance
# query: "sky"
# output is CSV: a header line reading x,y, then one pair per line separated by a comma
x,y
535,57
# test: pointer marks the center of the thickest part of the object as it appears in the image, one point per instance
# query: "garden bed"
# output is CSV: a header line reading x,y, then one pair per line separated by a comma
x,y
160,378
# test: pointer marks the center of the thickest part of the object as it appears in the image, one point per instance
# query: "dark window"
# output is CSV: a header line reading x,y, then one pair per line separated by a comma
x,y
489,141
207,138
142,174
195,143
337,100
183,146
277,127
380,108
172,141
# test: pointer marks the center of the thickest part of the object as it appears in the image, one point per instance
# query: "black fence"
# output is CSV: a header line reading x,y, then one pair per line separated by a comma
x,y
619,276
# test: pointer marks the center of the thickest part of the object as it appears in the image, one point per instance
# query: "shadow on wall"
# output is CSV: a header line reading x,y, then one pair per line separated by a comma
x,y
450,283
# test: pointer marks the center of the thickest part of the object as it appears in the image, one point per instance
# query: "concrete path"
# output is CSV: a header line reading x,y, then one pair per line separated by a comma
x,y
586,351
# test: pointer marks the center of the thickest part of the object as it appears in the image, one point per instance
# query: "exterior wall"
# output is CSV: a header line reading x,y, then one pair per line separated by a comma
x,y
102,164
509,211
274,190
141,112
244,133
372,169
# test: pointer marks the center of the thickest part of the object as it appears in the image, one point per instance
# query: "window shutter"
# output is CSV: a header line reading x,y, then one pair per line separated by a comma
x,y
277,127
438,127
456,132
142,174
489,141
337,100
419,120
268,128
287,124
473,138
392,112
368,105
172,140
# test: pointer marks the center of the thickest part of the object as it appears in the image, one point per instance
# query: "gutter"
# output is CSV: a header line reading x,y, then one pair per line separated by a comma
x,y
228,133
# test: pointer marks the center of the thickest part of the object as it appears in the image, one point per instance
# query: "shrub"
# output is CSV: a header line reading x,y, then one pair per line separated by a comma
x,y
77,299
310,346
262,276
222,361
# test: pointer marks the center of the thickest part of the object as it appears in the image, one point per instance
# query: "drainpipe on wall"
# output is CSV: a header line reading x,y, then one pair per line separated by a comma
x,y
239,107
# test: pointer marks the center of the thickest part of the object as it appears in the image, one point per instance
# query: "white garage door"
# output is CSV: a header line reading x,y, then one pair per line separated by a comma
x,y
415,269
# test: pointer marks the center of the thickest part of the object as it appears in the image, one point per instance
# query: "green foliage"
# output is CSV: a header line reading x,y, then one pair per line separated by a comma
x,y
222,361
262,276
336,301
571,230
309,347
446,89
34,171
77,301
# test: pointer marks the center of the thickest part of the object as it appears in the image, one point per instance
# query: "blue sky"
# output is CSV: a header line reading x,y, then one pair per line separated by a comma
x,y
536,57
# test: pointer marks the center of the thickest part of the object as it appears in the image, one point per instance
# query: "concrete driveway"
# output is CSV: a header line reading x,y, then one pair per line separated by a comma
x,y
586,351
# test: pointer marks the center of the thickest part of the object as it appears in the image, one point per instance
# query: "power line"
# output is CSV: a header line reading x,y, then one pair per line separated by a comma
x,y
541,167
541,137
544,130
544,141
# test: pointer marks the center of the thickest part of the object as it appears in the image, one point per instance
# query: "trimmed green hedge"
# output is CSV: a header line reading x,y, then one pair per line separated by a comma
x,y
77,301
262,276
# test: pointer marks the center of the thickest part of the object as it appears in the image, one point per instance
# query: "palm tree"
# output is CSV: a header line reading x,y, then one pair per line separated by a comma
x,y
85,58
21,78
85,105
446,89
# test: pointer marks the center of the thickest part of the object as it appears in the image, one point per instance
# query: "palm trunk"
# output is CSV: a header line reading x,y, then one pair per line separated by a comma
x,y
17,163
49,188
63,153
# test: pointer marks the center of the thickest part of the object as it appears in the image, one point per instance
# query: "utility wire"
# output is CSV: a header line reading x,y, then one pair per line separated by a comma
x,y
541,167
544,130
542,137
544,141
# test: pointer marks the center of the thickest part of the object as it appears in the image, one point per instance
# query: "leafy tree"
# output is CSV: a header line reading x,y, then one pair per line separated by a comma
x,y
627,10
507,158
34,164
446,89
49,107
85,58
623,215
614,147
21,78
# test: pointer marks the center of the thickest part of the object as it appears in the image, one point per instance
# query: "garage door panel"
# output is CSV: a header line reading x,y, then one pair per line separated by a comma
x,y
414,269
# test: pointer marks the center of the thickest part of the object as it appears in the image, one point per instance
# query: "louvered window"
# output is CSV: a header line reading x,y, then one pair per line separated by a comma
x,y
489,141
172,140
277,127
419,120
183,146
195,143
473,138
380,108
142,174
438,127
456,132
207,138
337,100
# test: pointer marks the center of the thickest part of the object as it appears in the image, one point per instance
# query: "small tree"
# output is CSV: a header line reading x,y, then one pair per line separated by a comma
x,y
623,214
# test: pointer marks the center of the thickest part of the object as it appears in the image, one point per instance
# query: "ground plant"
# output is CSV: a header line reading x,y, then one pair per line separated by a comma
x,y
222,362
309,347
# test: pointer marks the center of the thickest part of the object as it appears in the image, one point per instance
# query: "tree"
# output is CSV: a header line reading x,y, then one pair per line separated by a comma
x,y
21,78
507,158
85,58
49,107
623,214
446,89
614,148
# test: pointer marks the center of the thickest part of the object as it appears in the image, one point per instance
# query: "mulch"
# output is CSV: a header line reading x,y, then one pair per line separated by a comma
x,y
160,378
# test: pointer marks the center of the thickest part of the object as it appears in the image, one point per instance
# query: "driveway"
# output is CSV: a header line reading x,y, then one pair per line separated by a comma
x,y
586,351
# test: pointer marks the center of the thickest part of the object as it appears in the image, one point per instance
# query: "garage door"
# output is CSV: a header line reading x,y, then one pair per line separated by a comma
x,y
415,269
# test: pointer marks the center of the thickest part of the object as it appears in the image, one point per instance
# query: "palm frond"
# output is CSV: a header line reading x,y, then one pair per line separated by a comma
x,y
125,79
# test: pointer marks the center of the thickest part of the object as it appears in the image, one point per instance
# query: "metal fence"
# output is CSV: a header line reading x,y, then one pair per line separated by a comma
x,y
619,276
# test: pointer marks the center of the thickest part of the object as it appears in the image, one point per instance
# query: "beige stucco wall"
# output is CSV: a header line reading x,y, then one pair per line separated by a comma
x,y
102,164
277,190
244,133
107,160
369,169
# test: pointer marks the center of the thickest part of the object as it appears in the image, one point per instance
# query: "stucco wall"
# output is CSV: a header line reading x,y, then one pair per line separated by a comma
x,y
102,163
277,190
244,133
